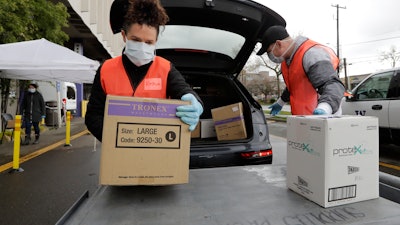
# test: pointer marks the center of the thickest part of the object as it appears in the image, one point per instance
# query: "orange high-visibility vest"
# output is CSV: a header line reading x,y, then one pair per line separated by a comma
x,y
303,96
115,80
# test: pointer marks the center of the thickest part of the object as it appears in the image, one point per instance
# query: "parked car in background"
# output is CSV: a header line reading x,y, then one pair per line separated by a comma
x,y
209,42
378,95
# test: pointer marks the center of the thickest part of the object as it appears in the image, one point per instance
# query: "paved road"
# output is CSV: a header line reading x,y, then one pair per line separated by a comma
x,y
53,177
49,184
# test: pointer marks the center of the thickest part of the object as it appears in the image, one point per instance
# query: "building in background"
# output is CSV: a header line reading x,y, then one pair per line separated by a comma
x,y
90,35
355,80
262,85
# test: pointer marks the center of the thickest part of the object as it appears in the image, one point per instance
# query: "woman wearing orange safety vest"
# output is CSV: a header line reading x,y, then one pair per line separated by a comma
x,y
309,72
138,72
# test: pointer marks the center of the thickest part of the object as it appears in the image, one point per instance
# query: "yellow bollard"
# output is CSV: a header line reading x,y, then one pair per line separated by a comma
x,y
84,107
17,142
68,129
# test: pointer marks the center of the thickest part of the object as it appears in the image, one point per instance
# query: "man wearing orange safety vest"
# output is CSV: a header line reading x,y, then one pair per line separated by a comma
x,y
138,72
309,72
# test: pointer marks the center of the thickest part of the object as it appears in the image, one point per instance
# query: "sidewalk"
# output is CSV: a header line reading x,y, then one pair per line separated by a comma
x,y
48,136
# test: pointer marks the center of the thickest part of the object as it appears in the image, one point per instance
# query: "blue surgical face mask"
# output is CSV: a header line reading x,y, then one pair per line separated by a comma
x,y
139,53
31,90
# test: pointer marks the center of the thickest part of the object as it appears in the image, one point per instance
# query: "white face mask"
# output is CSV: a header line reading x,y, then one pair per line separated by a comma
x,y
278,59
32,90
139,53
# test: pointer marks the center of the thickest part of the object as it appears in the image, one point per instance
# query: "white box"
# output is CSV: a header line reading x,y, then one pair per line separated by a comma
x,y
207,129
333,160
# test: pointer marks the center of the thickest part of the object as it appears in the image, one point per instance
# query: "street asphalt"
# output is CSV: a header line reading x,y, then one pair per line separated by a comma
x,y
45,186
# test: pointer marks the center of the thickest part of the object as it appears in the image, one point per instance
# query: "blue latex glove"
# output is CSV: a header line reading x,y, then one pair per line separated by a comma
x,y
190,114
275,108
43,116
319,112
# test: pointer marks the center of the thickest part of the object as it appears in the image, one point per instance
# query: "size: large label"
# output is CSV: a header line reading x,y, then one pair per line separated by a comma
x,y
144,135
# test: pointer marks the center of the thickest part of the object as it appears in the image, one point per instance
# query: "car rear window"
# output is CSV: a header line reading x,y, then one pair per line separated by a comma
x,y
195,38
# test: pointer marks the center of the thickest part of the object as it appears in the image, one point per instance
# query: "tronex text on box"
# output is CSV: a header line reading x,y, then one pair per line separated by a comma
x,y
144,143
333,160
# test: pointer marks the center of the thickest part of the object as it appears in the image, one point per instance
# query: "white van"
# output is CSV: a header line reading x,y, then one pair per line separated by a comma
x,y
68,96
378,95
67,93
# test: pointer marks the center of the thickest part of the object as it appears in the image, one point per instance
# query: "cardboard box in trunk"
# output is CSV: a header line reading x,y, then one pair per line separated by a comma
x,y
144,143
333,160
229,122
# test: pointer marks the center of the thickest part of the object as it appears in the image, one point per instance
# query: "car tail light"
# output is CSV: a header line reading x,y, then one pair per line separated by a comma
x,y
256,154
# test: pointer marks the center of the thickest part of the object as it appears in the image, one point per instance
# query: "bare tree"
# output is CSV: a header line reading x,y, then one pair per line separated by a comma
x,y
391,56
253,80
277,70
263,85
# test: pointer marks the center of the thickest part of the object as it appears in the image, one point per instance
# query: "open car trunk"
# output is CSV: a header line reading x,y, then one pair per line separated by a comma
x,y
217,91
209,42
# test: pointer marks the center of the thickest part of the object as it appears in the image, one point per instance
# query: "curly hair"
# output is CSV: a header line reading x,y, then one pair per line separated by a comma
x,y
148,12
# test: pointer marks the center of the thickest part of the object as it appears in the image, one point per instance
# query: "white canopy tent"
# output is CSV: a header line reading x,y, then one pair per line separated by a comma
x,y
44,60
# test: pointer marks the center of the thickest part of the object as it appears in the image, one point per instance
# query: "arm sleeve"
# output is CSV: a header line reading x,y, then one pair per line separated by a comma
x,y
95,108
323,77
285,96
177,86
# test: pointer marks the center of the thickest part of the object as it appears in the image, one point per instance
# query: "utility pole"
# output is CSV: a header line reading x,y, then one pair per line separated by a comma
x,y
346,79
337,34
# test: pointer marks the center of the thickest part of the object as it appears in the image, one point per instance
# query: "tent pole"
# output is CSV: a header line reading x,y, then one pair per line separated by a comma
x,y
58,104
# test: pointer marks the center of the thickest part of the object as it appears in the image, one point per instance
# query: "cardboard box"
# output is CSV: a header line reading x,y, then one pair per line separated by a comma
x,y
11,124
229,122
333,160
207,129
196,132
144,143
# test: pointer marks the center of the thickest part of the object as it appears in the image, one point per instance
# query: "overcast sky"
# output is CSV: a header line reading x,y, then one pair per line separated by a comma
x,y
366,27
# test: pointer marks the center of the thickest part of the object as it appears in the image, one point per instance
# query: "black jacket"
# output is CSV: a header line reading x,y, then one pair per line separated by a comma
x,y
33,107
176,88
